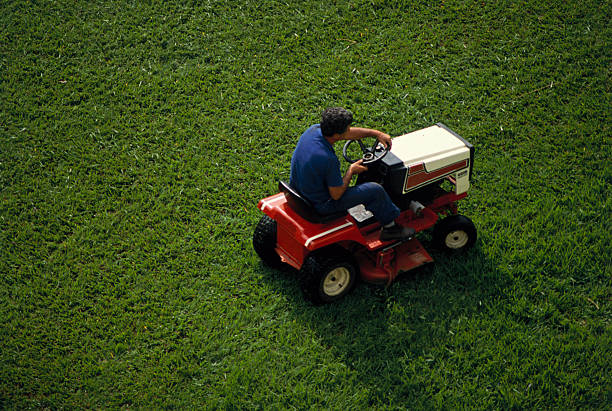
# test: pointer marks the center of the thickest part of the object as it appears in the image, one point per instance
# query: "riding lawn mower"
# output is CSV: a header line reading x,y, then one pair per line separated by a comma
x,y
426,172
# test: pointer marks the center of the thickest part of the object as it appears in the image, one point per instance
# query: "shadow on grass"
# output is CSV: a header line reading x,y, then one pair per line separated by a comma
x,y
397,339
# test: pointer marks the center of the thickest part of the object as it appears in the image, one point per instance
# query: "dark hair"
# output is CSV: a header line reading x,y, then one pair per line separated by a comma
x,y
335,120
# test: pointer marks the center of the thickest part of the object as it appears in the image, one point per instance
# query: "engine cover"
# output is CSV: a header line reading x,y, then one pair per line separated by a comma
x,y
426,156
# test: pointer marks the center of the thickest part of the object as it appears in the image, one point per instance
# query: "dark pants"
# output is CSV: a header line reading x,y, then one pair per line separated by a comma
x,y
371,195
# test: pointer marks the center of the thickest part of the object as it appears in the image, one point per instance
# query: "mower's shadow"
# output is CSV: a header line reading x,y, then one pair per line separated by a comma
x,y
389,336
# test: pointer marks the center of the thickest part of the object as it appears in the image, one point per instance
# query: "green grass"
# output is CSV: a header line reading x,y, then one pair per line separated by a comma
x,y
137,137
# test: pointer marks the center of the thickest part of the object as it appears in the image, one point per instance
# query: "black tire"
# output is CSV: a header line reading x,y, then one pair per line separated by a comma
x,y
328,275
454,233
264,242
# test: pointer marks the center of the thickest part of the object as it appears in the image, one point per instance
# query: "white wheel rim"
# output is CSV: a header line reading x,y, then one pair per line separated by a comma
x,y
456,239
336,281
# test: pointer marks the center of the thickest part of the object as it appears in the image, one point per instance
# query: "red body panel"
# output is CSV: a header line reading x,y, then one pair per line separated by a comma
x,y
379,262
296,237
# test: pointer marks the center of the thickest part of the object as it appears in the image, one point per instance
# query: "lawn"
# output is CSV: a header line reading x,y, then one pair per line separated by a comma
x,y
137,137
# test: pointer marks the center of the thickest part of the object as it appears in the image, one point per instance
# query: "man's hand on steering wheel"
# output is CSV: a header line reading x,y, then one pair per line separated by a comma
x,y
357,167
385,139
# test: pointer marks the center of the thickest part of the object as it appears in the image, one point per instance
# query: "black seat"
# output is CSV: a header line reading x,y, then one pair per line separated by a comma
x,y
304,207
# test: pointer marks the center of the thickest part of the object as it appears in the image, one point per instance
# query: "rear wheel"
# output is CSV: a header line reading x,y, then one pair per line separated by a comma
x,y
264,242
328,275
454,233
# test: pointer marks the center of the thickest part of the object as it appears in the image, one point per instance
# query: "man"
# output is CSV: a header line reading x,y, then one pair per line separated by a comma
x,y
315,173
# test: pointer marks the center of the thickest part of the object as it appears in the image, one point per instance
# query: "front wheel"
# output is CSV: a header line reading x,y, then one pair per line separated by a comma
x,y
328,275
454,233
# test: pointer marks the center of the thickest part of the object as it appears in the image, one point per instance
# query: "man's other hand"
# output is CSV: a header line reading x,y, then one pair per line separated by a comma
x,y
357,167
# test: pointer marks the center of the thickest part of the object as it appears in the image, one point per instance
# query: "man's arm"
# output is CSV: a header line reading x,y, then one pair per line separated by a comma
x,y
356,133
355,168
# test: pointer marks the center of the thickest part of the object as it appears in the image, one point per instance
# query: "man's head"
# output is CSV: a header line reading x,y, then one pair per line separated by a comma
x,y
335,120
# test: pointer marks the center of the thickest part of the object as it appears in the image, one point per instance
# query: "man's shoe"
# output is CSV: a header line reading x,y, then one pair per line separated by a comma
x,y
396,232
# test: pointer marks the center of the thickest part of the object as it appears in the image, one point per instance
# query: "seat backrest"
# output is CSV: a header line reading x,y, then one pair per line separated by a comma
x,y
303,206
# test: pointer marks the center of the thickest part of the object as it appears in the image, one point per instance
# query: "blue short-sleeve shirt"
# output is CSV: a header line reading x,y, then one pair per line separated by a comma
x,y
315,166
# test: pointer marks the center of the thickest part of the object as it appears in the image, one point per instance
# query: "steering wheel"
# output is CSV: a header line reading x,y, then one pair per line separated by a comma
x,y
370,154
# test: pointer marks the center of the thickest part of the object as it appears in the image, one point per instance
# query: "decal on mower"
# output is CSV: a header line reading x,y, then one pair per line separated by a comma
x,y
419,176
